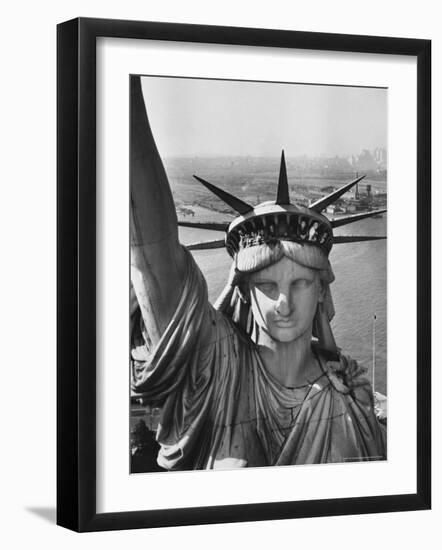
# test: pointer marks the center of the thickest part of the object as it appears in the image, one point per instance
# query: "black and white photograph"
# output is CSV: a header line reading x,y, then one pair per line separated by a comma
x,y
258,266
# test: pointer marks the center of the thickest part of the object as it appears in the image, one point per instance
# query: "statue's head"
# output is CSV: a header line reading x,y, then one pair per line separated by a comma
x,y
281,269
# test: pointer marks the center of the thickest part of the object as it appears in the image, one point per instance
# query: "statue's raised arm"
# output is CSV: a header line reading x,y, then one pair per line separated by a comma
x,y
157,259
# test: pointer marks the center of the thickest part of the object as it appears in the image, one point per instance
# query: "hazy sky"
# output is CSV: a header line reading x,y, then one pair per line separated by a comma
x,y
214,117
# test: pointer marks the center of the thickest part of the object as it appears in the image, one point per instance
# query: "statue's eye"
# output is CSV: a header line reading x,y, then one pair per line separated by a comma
x,y
301,283
266,286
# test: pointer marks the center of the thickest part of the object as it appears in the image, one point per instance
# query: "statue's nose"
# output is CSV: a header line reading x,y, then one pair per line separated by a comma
x,y
283,306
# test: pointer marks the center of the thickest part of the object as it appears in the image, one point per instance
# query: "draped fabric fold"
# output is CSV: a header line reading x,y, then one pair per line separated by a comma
x,y
220,408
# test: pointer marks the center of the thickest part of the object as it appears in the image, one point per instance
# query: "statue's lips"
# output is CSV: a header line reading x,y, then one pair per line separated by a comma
x,y
284,323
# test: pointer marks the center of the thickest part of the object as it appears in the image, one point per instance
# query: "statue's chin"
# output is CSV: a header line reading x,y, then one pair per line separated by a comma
x,y
283,337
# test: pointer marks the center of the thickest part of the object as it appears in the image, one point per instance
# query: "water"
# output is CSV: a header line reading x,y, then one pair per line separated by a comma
x,y
359,291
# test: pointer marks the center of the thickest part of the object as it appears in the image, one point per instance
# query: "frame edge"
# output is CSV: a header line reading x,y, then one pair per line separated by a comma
x,y
67,274
423,359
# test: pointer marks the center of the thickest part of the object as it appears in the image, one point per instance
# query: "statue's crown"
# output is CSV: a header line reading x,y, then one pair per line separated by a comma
x,y
280,220
270,222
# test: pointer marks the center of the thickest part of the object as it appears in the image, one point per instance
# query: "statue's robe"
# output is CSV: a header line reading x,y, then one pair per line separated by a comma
x,y
220,408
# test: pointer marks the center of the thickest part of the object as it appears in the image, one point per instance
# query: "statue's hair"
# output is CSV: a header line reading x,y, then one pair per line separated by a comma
x,y
255,258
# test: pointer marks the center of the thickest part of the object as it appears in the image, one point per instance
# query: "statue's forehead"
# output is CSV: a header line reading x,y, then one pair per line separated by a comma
x,y
283,269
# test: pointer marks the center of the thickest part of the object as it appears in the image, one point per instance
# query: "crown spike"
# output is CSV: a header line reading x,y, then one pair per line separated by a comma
x,y
207,245
282,196
344,239
338,222
213,226
322,204
237,204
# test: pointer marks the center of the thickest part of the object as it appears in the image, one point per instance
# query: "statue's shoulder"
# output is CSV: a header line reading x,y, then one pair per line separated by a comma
x,y
348,369
347,375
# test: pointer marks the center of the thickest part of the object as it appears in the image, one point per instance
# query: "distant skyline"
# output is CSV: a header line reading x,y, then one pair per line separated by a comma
x,y
196,117
277,155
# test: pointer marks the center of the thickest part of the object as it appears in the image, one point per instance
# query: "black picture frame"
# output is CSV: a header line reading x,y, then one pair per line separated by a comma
x,y
76,273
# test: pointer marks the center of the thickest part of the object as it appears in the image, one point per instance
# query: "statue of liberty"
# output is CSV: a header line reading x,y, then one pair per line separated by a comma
x,y
256,379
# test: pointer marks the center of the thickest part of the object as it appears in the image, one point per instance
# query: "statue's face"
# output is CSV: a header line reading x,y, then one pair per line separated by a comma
x,y
284,298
